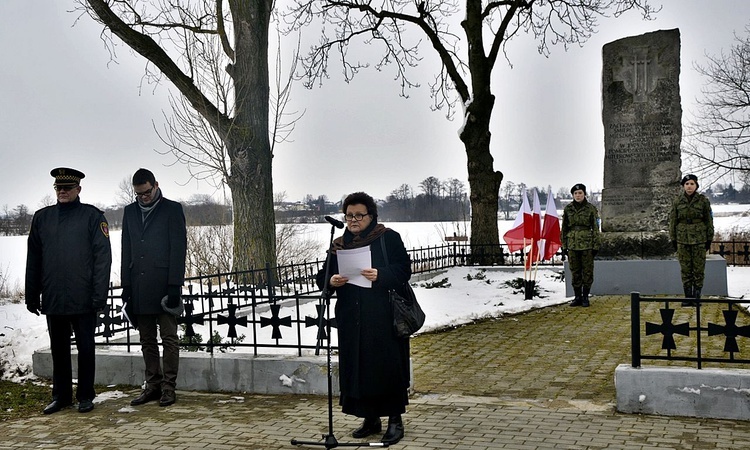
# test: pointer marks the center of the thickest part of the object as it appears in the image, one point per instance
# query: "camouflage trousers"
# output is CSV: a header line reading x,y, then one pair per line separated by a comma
x,y
692,264
581,264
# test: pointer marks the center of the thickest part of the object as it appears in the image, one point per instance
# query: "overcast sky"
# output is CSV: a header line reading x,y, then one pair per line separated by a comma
x,y
64,103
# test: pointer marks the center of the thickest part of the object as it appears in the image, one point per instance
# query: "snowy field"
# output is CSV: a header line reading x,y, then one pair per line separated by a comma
x,y
472,294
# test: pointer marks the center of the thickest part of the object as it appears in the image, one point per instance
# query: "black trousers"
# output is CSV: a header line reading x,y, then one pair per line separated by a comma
x,y
59,328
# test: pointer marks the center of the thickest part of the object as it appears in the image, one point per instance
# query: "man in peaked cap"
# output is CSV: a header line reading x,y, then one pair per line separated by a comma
x,y
67,277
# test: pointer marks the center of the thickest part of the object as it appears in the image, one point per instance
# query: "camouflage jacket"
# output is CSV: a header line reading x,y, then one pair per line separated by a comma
x,y
580,227
691,220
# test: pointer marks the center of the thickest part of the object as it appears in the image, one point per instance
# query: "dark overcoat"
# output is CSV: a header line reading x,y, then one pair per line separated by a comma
x,y
69,259
153,255
373,362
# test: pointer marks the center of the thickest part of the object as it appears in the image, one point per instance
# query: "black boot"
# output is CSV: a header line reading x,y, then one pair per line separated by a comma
x,y
585,297
395,430
697,293
577,300
371,425
689,293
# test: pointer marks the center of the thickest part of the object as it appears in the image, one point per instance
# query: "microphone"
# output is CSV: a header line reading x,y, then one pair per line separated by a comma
x,y
335,222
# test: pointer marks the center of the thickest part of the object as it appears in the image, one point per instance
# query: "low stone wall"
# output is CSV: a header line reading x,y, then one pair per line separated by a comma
x,y
223,372
670,391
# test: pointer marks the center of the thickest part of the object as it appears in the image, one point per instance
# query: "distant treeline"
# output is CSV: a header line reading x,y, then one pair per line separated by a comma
x,y
437,201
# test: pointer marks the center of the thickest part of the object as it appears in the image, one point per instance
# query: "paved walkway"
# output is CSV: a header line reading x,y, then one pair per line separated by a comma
x,y
543,379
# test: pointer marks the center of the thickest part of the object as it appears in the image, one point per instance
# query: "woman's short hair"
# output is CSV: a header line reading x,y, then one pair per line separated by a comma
x,y
360,198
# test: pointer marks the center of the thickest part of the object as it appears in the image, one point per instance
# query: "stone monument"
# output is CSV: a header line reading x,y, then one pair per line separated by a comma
x,y
642,119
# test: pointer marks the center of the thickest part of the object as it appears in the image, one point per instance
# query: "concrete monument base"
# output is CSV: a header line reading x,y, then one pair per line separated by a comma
x,y
673,391
650,277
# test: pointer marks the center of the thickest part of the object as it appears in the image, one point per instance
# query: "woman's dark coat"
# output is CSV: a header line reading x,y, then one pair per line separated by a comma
x,y
153,257
69,259
373,362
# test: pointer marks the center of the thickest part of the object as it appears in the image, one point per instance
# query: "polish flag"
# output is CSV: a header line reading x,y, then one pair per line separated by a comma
x,y
551,228
515,236
535,232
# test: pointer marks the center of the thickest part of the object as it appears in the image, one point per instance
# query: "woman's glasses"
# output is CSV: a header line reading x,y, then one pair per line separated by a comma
x,y
357,217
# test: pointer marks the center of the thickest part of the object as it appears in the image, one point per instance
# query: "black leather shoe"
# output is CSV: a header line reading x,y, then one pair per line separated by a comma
x,y
56,406
395,431
167,398
369,426
85,406
148,395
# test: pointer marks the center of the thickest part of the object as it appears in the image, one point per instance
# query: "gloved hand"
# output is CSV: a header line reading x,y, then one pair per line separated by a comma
x,y
708,245
127,293
173,296
99,305
33,306
674,244
564,252
173,301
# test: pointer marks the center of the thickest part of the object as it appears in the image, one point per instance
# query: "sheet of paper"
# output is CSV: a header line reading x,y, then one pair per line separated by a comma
x,y
351,263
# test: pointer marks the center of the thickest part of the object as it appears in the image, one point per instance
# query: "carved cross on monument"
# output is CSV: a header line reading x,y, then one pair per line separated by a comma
x,y
639,73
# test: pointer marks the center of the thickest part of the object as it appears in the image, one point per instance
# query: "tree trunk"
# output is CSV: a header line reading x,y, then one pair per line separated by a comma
x,y
248,142
484,182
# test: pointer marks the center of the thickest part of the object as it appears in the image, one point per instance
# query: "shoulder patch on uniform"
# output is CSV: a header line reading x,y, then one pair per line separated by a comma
x,y
105,229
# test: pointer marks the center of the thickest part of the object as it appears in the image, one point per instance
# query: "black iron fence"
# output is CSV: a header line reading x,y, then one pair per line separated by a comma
x,y
705,331
280,308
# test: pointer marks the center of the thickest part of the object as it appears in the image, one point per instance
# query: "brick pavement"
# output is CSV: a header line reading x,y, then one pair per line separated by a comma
x,y
543,379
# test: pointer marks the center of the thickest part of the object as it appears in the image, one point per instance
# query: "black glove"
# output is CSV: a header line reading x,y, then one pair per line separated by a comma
x,y
173,296
99,305
173,301
565,252
708,245
674,244
33,306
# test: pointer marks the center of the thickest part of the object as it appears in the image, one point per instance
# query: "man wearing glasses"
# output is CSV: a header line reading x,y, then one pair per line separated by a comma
x,y
154,245
67,277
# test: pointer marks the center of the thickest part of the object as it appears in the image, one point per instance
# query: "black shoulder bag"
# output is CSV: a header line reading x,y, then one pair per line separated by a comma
x,y
408,316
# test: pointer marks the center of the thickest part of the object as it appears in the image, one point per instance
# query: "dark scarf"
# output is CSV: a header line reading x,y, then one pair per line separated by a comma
x,y
350,240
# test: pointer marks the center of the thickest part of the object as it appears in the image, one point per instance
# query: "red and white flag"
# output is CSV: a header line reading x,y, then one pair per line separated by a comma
x,y
535,232
523,224
551,228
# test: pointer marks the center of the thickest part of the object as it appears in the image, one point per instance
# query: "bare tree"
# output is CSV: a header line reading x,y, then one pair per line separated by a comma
x,y
467,63
217,59
430,187
718,140
124,194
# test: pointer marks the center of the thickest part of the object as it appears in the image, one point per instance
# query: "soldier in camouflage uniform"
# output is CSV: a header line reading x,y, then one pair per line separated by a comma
x,y
691,230
581,240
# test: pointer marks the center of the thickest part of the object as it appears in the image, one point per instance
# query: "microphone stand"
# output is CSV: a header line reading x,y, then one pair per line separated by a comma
x,y
329,440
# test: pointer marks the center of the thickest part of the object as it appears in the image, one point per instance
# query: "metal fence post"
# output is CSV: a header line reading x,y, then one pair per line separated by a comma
x,y
635,332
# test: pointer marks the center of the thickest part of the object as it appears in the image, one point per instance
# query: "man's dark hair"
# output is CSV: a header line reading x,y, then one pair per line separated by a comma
x,y
360,198
143,176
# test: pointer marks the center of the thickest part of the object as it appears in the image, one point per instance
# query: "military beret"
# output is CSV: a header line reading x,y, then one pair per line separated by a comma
x,y
578,187
689,177
65,176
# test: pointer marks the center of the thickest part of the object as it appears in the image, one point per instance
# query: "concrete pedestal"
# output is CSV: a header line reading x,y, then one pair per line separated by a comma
x,y
650,277
677,391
